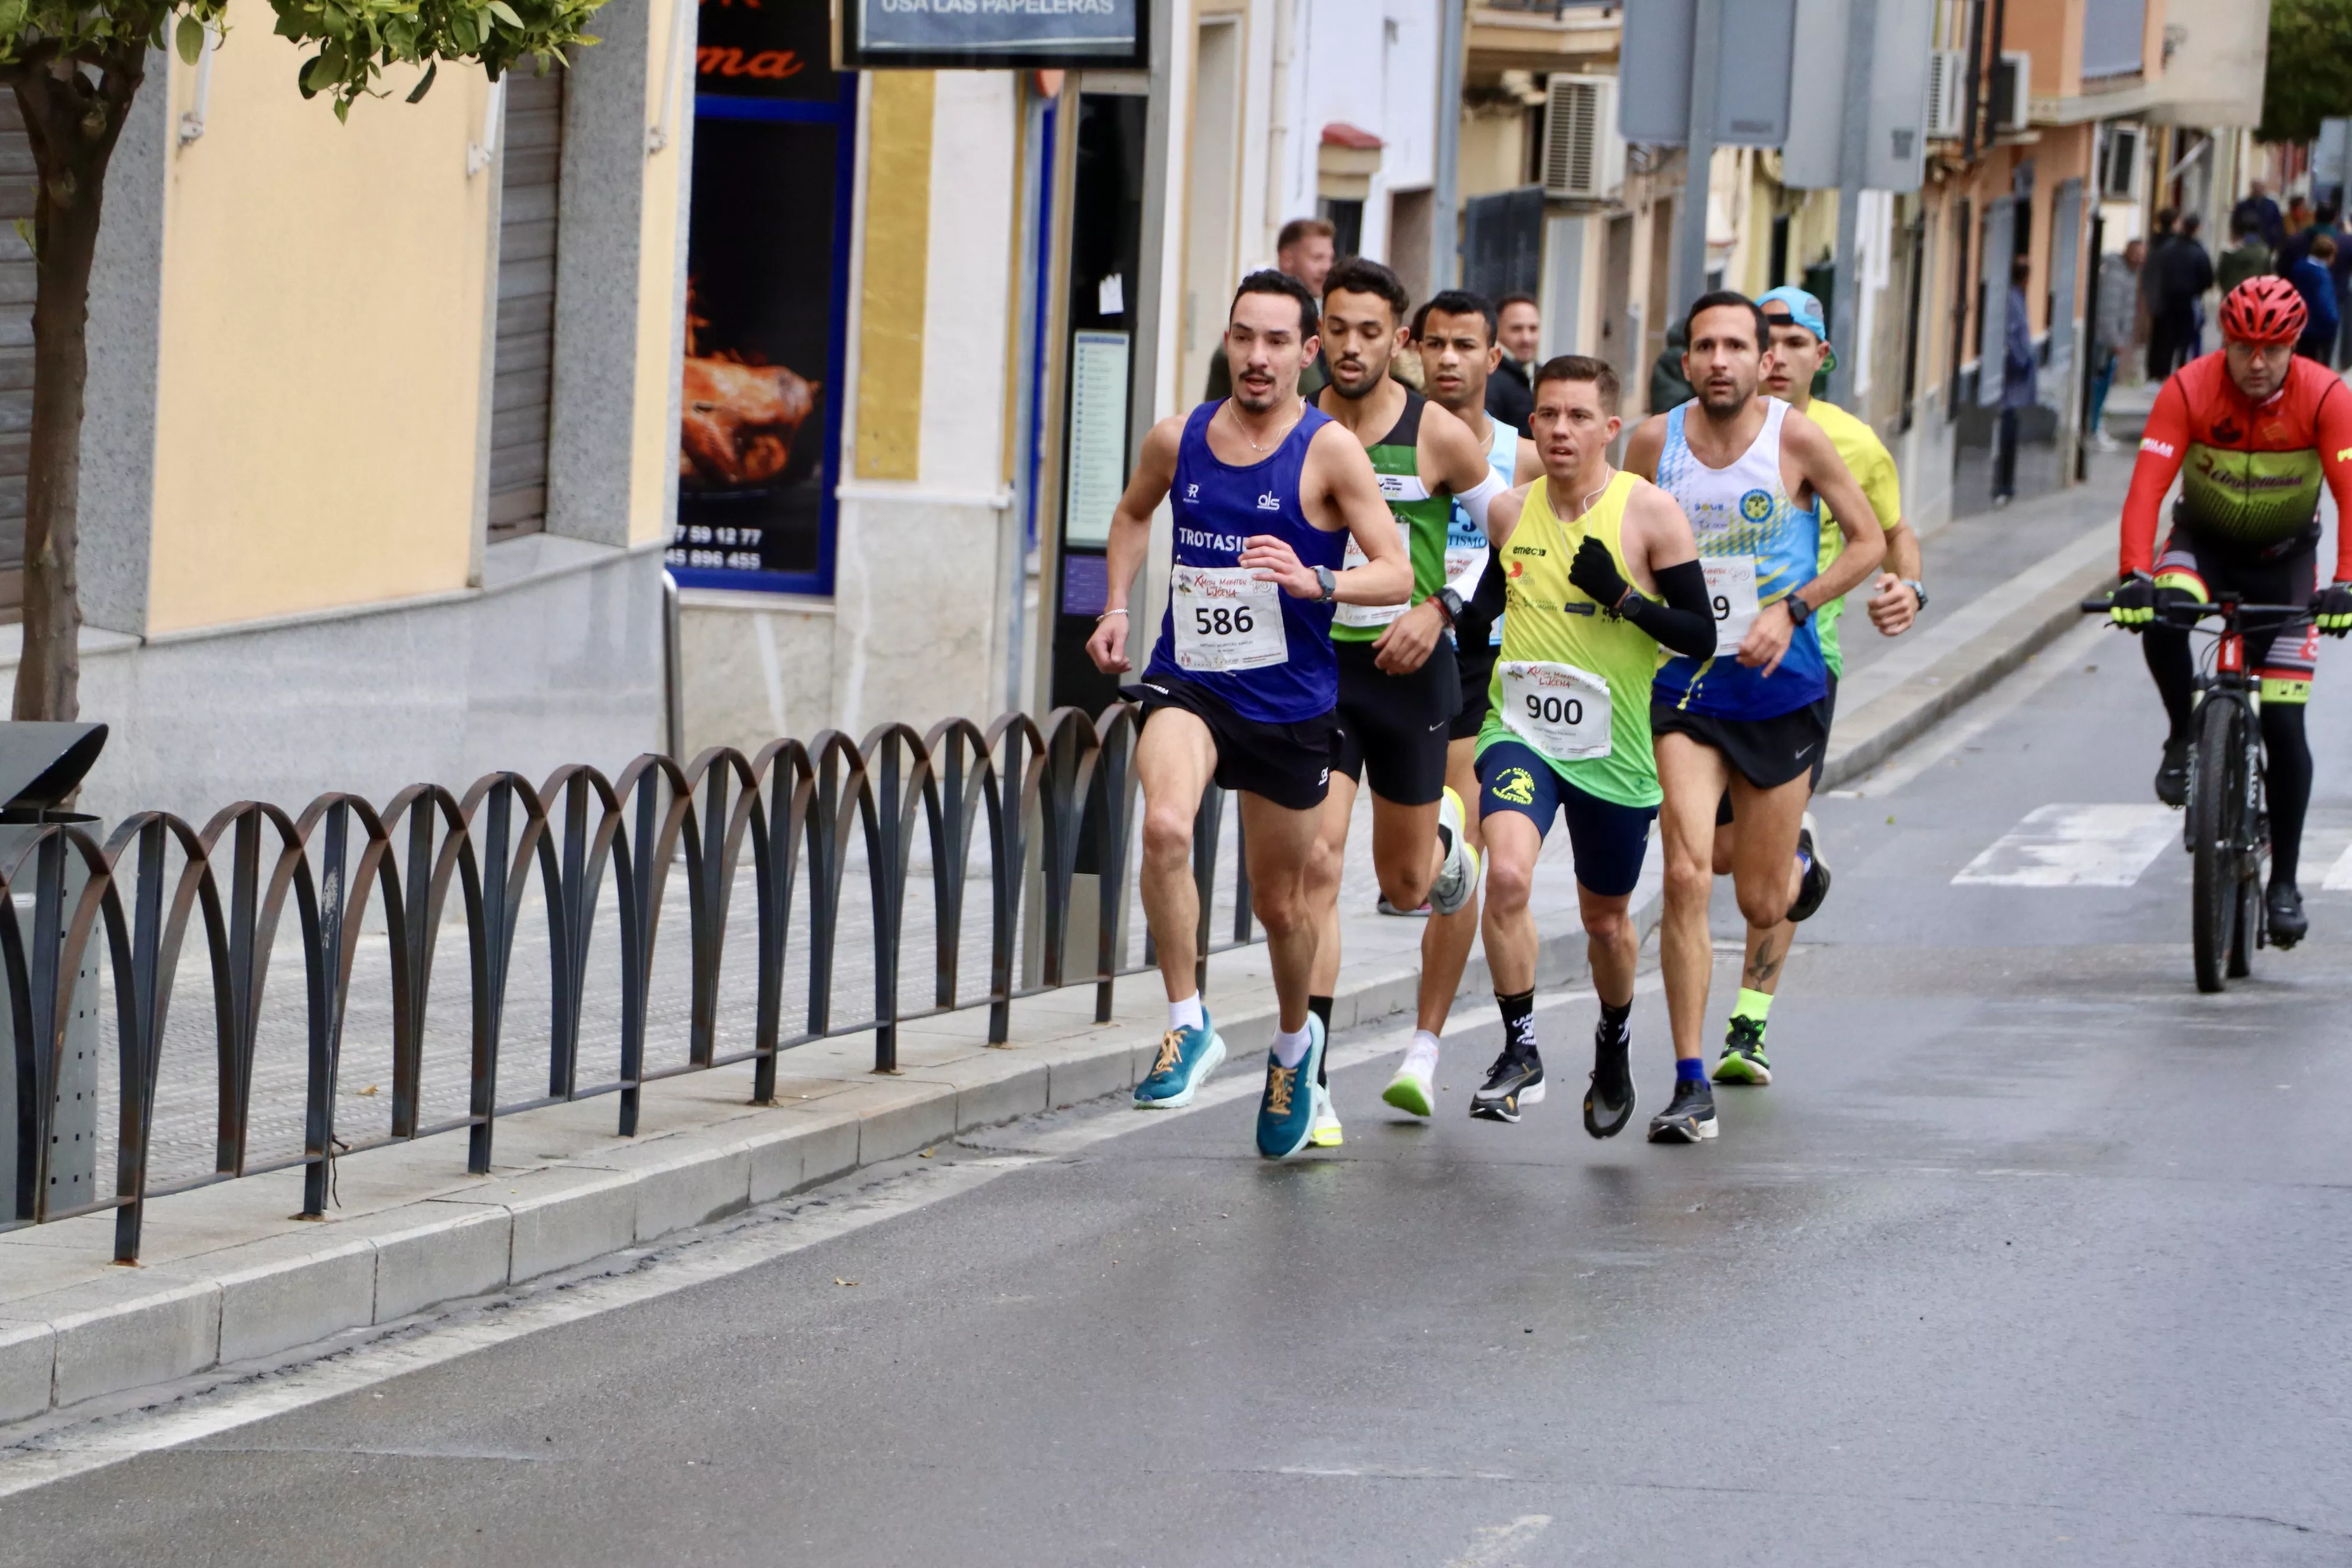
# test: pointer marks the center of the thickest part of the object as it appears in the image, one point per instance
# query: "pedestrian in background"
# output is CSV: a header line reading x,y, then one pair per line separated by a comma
x,y
2316,284
2247,257
1668,387
1306,249
1510,396
2184,273
2296,239
2259,215
2111,331
2017,389
2159,237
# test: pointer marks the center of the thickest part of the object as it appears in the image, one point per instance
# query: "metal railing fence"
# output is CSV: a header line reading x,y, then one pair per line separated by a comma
x,y
1047,799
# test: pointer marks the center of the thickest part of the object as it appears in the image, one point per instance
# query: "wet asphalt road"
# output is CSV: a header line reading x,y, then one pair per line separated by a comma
x,y
2030,1254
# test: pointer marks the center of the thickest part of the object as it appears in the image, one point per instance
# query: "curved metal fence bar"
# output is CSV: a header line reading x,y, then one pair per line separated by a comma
x,y
1052,802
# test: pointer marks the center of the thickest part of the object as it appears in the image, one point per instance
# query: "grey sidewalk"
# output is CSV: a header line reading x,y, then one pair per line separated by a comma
x,y
231,1279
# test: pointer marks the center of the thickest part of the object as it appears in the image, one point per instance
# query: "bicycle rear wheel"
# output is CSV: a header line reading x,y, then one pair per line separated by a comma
x,y
2217,805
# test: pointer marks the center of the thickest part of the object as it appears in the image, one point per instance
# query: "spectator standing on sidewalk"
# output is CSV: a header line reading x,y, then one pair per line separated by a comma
x,y
2316,284
1306,249
2159,237
2017,389
2247,257
2183,274
2297,236
1509,396
2259,215
2111,331
1668,387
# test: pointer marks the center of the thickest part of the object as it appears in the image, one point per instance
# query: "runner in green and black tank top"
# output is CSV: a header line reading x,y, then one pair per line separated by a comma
x,y
1399,684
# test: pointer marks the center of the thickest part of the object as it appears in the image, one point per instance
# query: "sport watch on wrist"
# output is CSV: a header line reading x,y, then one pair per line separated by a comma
x,y
1330,584
1918,591
1449,605
1799,611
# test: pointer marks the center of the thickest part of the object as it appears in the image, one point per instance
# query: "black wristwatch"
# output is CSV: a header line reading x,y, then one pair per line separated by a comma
x,y
1918,590
1799,611
1330,584
1449,605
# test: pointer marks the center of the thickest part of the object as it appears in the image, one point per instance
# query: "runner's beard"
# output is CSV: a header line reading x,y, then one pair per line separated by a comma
x,y
1370,383
1724,410
1259,402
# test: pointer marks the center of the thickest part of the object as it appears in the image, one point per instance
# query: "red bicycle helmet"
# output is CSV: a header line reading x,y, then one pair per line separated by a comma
x,y
2264,310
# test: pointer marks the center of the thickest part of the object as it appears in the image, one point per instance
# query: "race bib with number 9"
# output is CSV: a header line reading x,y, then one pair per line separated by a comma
x,y
1226,618
1563,711
1731,594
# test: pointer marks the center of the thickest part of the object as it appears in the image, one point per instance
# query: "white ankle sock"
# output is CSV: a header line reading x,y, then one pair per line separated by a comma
x,y
1424,1044
1291,1049
1185,1015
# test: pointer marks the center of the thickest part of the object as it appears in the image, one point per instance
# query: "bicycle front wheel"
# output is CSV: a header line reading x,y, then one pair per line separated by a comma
x,y
2217,823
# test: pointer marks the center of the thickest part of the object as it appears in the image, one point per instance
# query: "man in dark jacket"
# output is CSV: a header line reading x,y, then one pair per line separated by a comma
x,y
1509,398
2260,216
2184,273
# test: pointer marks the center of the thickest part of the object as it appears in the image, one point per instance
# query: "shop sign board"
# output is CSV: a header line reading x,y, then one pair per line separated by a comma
x,y
992,35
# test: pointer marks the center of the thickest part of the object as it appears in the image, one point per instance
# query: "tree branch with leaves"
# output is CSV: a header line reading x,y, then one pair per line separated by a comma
x,y
76,70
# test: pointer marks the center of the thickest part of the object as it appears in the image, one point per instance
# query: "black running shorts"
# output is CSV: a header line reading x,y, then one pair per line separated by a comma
x,y
1477,690
1393,727
1289,764
1767,752
1828,705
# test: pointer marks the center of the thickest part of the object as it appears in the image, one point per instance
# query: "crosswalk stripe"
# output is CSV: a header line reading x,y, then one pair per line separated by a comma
x,y
2339,875
2075,846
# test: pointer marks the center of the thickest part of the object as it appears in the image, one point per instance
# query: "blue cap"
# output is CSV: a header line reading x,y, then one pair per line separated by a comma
x,y
1803,309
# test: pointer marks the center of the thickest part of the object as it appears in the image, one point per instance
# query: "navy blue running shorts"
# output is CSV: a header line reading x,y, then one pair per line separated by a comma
x,y
1608,840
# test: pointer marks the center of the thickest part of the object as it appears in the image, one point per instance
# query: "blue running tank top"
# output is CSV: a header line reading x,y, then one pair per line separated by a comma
x,y
1743,513
1217,507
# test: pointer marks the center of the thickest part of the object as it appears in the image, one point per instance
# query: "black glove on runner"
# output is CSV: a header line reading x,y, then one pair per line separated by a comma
x,y
1594,571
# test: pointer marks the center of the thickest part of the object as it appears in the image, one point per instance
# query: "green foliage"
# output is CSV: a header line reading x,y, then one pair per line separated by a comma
x,y
351,41
2310,74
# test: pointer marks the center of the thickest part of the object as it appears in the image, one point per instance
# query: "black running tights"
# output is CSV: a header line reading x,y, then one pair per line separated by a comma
x,y
2288,749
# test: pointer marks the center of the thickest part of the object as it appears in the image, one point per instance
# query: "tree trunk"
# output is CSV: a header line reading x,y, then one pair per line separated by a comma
x,y
72,124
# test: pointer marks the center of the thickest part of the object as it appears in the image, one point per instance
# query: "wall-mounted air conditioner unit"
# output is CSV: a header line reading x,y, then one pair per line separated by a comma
x,y
1583,155
2012,81
1948,94
2119,175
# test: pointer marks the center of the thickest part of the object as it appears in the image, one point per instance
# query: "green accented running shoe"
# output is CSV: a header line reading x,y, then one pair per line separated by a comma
x,y
1743,1060
1415,1087
1327,1134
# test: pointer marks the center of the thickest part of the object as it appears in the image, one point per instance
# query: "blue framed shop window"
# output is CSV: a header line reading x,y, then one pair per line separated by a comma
x,y
775,134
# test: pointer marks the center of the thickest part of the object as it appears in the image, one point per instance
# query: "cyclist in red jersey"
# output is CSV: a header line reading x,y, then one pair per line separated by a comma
x,y
2250,432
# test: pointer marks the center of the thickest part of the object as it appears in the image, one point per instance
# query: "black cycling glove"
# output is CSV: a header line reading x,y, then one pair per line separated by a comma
x,y
2133,606
2333,609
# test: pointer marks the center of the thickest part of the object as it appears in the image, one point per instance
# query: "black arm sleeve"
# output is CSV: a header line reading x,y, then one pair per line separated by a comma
x,y
1685,624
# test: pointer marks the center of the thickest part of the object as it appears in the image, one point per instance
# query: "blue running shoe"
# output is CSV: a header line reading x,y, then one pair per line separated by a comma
x,y
1187,1057
1286,1112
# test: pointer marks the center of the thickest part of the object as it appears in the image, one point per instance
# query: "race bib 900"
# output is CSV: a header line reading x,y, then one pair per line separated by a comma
x,y
1226,618
1558,708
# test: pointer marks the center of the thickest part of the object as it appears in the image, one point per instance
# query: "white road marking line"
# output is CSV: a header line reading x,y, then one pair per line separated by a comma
x,y
2075,846
678,1264
2066,653
1498,1544
2339,876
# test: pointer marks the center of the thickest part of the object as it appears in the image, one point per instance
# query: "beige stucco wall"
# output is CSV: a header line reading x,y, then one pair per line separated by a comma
x,y
322,311
660,291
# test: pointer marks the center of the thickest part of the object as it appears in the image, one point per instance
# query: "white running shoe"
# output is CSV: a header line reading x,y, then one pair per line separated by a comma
x,y
1415,1087
1457,878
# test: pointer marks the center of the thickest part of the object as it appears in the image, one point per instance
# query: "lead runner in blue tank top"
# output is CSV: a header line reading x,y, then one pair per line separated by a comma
x,y
1749,723
1264,494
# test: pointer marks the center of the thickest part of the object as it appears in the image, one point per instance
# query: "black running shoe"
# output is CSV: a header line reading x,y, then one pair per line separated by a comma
x,y
1816,884
1515,1080
1609,1103
2287,924
1690,1118
2172,775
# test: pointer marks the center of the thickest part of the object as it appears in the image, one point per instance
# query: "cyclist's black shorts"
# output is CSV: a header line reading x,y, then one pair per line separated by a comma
x,y
2283,655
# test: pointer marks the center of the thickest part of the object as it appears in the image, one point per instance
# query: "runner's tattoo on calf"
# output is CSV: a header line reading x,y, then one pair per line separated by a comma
x,y
1760,969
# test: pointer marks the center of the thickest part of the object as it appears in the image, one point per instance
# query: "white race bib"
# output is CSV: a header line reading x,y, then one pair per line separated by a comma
x,y
1226,618
1731,594
1374,614
1558,708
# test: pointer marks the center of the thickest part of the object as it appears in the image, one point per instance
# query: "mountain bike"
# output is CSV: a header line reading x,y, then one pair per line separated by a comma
x,y
2227,831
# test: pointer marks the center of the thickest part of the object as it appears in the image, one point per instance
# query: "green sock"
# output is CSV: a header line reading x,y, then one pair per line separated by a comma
x,y
1756,1005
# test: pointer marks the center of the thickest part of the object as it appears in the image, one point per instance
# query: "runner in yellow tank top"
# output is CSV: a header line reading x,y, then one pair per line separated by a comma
x,y
1587,554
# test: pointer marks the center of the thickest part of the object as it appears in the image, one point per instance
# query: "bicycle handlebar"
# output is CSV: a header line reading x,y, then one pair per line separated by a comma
x,y
2197,611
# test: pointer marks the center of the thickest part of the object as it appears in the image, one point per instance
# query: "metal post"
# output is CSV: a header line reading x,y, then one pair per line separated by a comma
x,y
673,677
1444,241
1698,153
1845,298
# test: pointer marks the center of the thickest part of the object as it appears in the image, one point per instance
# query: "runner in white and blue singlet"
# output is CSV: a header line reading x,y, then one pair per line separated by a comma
x,y
1750,718
1266,494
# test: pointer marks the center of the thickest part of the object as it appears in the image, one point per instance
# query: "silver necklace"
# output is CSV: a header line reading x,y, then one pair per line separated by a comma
x,y
1243,432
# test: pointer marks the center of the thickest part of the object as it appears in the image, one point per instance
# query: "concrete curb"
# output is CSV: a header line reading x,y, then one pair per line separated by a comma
x,y
264,1289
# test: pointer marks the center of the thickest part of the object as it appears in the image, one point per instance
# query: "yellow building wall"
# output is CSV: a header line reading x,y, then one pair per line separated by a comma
x,y
319,390
654,460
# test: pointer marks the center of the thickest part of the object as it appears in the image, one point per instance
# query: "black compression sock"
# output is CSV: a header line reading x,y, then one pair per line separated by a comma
x,y
2167,652
2287,778
1616,1020
1519,1020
